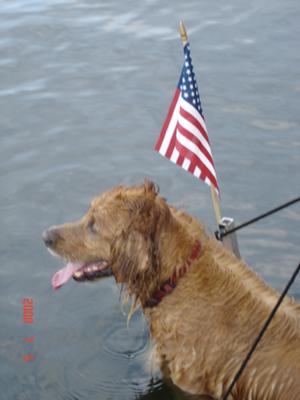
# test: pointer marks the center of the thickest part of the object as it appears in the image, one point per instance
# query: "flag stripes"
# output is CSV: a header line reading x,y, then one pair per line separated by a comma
x,y
167,133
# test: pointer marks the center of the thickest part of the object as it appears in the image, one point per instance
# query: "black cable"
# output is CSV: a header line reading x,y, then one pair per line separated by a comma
x,y
221,234
261,333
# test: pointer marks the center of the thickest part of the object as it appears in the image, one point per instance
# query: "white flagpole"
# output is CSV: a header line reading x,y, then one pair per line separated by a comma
x,y
216,204
214,197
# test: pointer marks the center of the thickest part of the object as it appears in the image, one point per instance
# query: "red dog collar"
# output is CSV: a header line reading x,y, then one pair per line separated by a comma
x,y
169,285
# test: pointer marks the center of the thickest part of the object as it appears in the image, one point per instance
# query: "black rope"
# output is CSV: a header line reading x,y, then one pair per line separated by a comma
x,y
220,235
261,333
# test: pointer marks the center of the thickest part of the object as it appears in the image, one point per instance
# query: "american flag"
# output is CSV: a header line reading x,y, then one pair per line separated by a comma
x,y
183,138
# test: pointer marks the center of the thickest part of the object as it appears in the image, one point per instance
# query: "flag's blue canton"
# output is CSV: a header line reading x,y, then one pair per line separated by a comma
x,y
187,82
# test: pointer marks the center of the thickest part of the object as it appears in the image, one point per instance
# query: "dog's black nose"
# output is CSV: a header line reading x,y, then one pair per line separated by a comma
x,y
49,237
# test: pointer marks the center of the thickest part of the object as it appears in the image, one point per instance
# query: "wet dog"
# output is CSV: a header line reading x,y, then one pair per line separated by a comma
x,y
204,306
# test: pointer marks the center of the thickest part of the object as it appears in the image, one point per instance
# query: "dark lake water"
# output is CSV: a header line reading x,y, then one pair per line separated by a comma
x,y
84,88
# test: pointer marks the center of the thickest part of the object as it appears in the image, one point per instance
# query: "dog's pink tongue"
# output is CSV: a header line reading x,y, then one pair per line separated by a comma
x,y
63,275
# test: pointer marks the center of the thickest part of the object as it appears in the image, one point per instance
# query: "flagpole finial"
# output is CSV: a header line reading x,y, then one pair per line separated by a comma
x,y
183,33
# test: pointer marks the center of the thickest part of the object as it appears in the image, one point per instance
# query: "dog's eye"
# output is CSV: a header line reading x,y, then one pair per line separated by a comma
x,y
91,226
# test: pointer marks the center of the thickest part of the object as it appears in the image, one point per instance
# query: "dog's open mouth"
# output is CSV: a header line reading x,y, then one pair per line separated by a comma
x,y
81,272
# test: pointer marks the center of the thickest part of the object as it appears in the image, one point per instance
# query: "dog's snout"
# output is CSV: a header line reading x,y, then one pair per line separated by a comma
x,y
49,236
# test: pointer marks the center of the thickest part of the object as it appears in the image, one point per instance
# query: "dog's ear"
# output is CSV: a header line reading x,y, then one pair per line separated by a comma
x,y
136,252
136,264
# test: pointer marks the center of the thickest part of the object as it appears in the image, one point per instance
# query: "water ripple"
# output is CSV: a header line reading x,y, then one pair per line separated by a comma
x,y
126,342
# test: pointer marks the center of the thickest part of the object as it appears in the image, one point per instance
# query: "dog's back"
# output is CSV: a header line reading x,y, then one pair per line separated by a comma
x,y
206,327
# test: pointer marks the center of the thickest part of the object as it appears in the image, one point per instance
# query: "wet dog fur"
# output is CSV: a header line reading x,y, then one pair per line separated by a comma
x,y
204,328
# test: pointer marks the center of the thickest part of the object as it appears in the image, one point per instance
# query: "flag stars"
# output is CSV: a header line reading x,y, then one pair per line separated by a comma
x,y
188,84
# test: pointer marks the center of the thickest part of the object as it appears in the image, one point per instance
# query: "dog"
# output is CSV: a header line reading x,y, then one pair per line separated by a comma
x,y
205,307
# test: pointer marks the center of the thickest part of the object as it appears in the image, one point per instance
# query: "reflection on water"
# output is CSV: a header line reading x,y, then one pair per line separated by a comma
x,y
273,125
84,88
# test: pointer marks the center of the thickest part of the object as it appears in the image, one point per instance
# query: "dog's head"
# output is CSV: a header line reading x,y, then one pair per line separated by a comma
x,y
120,235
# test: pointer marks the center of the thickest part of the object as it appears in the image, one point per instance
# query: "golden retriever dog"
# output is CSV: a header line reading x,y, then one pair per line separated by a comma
x,y
204,306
